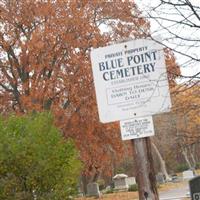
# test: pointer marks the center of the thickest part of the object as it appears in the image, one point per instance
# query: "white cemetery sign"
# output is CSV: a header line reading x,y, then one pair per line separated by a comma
x,y
137,128
130,80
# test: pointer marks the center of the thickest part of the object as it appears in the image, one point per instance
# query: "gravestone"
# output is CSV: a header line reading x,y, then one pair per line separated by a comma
x,y
160,178
80,193
188,174
195,188
175,178
108,188
130,181
120,182
93,190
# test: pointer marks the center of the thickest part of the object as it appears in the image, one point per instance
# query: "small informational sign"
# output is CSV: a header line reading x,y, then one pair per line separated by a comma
x,y
130,80
137,128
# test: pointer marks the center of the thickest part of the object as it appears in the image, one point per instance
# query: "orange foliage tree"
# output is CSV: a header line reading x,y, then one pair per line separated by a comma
x,y
45,65
187,112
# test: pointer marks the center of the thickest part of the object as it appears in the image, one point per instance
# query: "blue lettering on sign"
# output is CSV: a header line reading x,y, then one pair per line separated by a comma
x,y
116,68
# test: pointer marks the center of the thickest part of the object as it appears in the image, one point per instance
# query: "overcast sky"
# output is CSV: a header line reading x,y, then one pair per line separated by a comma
x,y
191,68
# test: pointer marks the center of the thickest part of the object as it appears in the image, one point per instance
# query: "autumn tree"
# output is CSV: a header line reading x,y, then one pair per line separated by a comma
x,y
165,140
177,26
188,120
45,65
179,129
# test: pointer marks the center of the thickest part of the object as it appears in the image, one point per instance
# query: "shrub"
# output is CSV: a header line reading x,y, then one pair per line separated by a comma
x,y
198,165
182,167
101,184
111,190
36,163
133,188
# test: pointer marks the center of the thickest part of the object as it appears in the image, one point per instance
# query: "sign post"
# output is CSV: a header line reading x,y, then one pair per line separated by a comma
x,y
131,81
139,130
145,171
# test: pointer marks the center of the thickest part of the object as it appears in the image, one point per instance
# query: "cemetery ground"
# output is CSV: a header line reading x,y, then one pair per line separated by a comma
x,y
134,195
125,195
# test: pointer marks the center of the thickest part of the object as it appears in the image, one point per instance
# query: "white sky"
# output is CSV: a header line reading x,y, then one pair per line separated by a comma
x,y
189,69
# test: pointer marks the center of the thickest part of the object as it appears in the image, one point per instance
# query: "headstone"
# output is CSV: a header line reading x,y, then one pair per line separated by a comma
x,y
93,190
195,188
130,181
120,182
160,178
80,193
175,178
188,174
108,188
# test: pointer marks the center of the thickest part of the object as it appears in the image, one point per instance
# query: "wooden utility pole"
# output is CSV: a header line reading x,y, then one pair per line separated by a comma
x,y
122,87
145,171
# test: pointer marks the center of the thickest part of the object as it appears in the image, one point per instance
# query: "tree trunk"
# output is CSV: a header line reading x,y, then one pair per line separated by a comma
x,y
184,152
84,184
162,162
95,177
145,171
192,153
